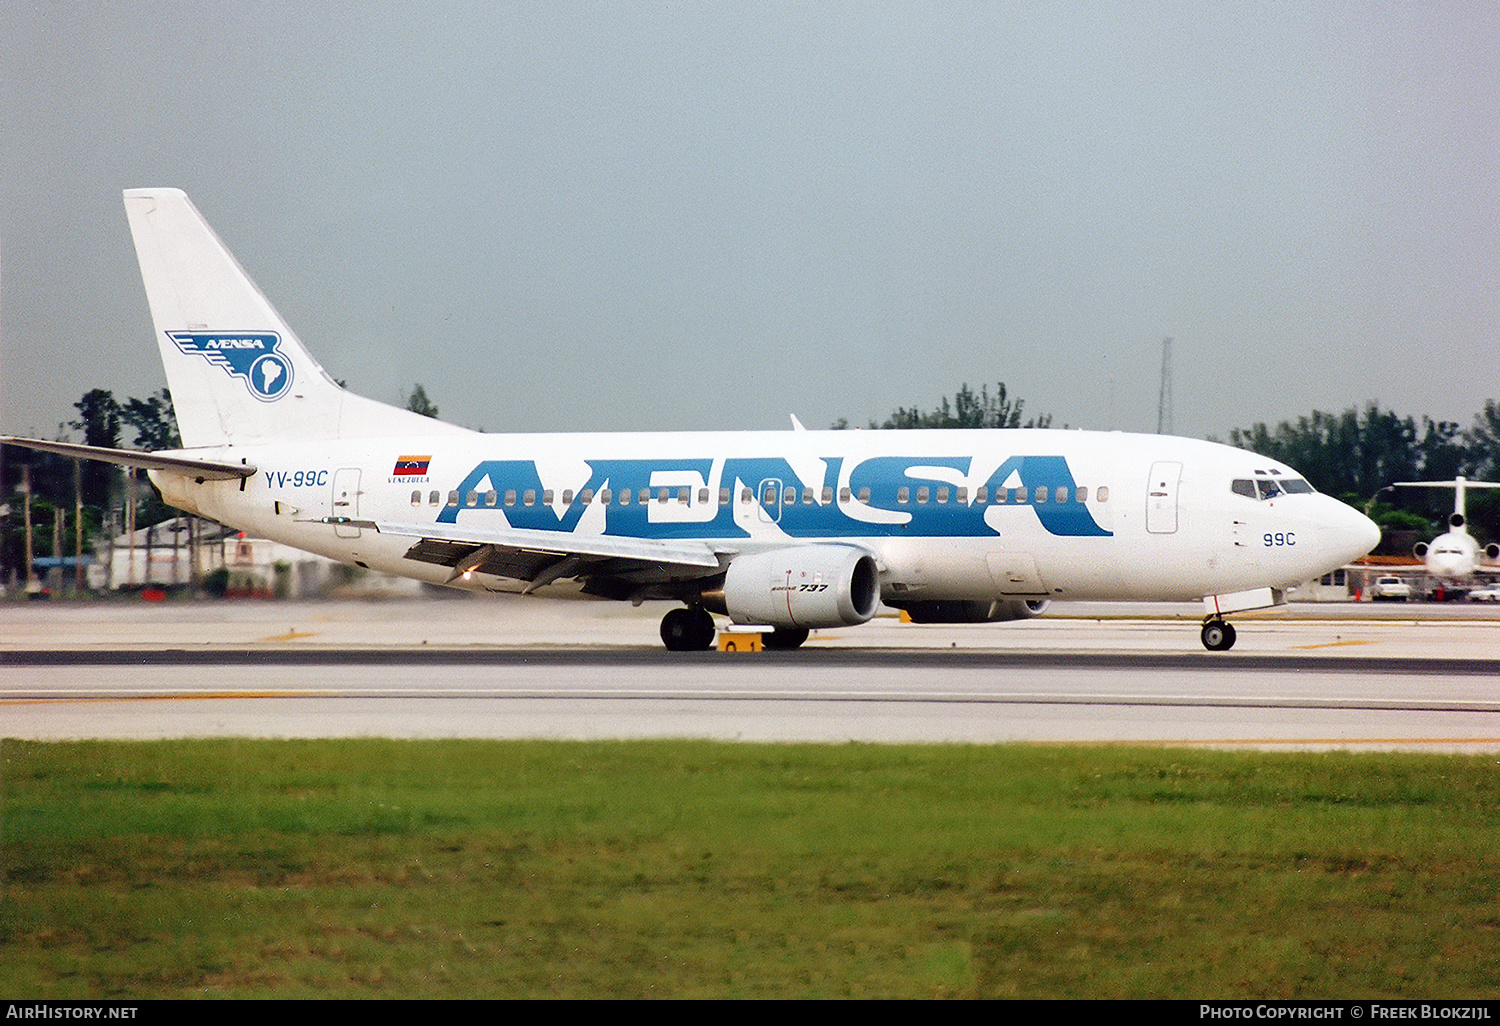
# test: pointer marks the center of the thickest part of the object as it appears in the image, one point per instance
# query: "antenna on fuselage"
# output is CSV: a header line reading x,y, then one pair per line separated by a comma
x,y
1164,400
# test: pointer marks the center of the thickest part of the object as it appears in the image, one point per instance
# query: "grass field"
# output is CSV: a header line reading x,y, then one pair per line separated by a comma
x,y
370,868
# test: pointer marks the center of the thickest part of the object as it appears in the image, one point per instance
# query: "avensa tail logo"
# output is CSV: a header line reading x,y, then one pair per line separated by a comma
x,y
250,355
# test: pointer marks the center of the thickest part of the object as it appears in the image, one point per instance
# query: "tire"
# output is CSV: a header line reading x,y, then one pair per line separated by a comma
x,y
1218,636
687,630
784,639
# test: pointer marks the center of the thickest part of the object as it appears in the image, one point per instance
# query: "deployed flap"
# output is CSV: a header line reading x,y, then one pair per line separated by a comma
x,y
174,462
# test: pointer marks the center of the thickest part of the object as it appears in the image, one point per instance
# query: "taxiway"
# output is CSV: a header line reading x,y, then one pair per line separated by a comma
x,y
1419,677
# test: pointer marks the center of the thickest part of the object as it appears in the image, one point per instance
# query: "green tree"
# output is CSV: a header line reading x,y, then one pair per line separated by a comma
x,y
154,421
967,409
417,402
99,420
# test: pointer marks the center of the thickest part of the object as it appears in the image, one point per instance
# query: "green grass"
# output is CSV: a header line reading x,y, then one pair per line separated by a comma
x,y
684,869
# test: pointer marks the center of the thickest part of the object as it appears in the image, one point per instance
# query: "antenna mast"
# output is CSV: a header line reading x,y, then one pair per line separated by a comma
x,y
1164,401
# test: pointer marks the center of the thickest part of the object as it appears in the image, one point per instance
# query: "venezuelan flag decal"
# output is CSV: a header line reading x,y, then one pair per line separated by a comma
x,y
411,466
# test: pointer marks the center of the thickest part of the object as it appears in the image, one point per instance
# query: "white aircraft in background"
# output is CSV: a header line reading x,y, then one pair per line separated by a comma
x,y
795,531
1453,557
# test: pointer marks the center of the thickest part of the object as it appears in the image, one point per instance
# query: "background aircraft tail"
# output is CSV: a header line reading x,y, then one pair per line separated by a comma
x,y
237,372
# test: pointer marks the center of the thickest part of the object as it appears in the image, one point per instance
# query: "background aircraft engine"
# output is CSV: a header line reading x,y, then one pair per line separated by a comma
x,y
981,611
805,587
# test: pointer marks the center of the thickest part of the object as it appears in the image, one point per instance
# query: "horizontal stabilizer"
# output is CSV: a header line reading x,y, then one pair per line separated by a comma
x,y
173,462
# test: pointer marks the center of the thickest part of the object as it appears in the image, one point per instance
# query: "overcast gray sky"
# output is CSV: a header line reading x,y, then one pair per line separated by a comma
x,y
619,216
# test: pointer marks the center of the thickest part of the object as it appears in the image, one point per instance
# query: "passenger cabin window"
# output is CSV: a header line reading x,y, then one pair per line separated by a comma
x,y
416,498
432,498
1101,494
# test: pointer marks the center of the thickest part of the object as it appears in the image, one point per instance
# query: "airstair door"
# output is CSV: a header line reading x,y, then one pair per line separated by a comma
x,y
1161,497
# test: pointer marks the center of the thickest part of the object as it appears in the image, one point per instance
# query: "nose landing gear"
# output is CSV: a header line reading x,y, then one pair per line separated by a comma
x,y
1218,634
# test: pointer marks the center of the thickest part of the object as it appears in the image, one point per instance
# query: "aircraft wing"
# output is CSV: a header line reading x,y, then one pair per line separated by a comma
x,y
177,461
541,557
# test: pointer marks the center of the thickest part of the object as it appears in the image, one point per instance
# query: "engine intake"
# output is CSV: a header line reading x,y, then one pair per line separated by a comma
x,y
805,587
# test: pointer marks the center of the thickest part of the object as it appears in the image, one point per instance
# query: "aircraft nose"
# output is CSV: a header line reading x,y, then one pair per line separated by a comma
x,y
1363,534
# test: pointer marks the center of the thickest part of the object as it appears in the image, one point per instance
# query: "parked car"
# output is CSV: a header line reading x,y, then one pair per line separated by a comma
x,y
1488,593
1390,589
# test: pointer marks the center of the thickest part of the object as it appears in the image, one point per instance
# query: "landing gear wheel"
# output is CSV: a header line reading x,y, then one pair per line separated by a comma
x,y
1218,636
687,630
784,639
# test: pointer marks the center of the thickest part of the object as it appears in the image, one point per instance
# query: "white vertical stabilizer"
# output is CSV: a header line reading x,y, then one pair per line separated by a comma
x,y
237,372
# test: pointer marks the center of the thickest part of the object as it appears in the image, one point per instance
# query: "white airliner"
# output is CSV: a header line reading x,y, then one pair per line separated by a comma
x,y
793,531
1452,557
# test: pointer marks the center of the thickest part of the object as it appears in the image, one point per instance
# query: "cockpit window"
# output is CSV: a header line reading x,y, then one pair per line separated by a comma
x,y
1263,488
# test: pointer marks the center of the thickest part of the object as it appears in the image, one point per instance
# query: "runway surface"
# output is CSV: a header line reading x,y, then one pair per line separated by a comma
x,y
1357,677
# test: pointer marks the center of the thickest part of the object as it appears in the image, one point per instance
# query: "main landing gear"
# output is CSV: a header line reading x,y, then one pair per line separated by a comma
x,y
688,629
1218,634
691,629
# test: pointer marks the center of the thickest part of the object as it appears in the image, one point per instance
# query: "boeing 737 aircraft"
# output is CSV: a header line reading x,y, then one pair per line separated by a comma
x,y
793,531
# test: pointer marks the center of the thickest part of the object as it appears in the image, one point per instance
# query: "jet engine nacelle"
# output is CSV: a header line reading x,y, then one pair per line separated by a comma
x,y
982,611
1419,550
803,587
